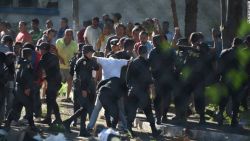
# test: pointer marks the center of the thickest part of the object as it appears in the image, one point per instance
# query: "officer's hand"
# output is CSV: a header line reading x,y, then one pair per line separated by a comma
x,y
84,93
27,92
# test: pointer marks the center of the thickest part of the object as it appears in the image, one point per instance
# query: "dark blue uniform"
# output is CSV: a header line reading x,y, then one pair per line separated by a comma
x,y
162,63
197,66
72,72
24,81
83,81
50,64
231,68
139,79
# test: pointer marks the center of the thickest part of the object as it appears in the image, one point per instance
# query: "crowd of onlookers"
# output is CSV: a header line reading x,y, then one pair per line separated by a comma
x,y
120,67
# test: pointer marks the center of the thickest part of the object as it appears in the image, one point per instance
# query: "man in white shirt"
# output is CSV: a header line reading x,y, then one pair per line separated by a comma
x,y
111,69
92,33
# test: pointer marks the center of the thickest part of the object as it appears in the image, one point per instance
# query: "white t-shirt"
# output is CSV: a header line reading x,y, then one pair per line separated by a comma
x,y
92,35
111,67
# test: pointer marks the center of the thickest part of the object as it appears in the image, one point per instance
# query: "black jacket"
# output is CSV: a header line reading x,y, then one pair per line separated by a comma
x,y
138,74
83,71
50,64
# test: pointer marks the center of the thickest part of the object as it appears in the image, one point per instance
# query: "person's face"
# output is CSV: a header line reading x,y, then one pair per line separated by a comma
x,y
143,38
106,17
136,36
95,23
22,27
68,36
115,48
106,30
49,25
34,25
120,31
63,23
89,55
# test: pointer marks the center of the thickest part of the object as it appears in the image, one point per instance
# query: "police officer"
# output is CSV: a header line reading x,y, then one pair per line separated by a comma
x,y
84,88
49,65
139,81
23,95
114,47
193,77
162,63
72,72
229,62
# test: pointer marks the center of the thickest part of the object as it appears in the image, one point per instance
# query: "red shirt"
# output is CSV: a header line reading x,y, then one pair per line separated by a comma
x,y
80,36
23,37
136,48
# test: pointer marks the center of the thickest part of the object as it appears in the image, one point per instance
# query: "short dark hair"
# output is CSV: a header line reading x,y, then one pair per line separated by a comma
x,y
120,25
35,21
65,19
143,33
165,22
23,22
29,45
95,19
51,30
195,36
7,39
129,43
117,15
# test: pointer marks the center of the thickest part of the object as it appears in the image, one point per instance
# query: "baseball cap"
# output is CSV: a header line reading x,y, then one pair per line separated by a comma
x,y
87,49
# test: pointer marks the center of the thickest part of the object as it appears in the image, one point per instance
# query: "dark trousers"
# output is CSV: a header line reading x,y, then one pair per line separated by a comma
x,y
20,101
110,104
162,100
2,100
182,96
137,100
235,95
37,105
51,95
86,105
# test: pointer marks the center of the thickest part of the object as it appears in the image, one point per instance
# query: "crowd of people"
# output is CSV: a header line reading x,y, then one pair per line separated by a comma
x,y
120,67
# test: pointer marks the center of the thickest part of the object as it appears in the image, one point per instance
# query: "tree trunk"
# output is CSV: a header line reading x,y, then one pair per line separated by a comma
x,y
233,19
76,22
191,17
175,18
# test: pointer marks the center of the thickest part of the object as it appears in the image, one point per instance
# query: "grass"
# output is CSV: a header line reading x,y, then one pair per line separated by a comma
x,y
63,90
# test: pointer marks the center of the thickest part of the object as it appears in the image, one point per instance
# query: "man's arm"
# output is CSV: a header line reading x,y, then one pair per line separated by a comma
x,y
85,36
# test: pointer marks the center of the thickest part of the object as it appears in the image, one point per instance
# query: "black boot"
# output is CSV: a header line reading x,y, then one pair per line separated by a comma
x,y
158,121
74,117
84,132
7,125
234,122
66,125
164,119
155,132
202,119
220,118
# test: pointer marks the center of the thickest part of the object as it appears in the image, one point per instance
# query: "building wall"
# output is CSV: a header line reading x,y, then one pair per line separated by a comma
x,y
131,10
